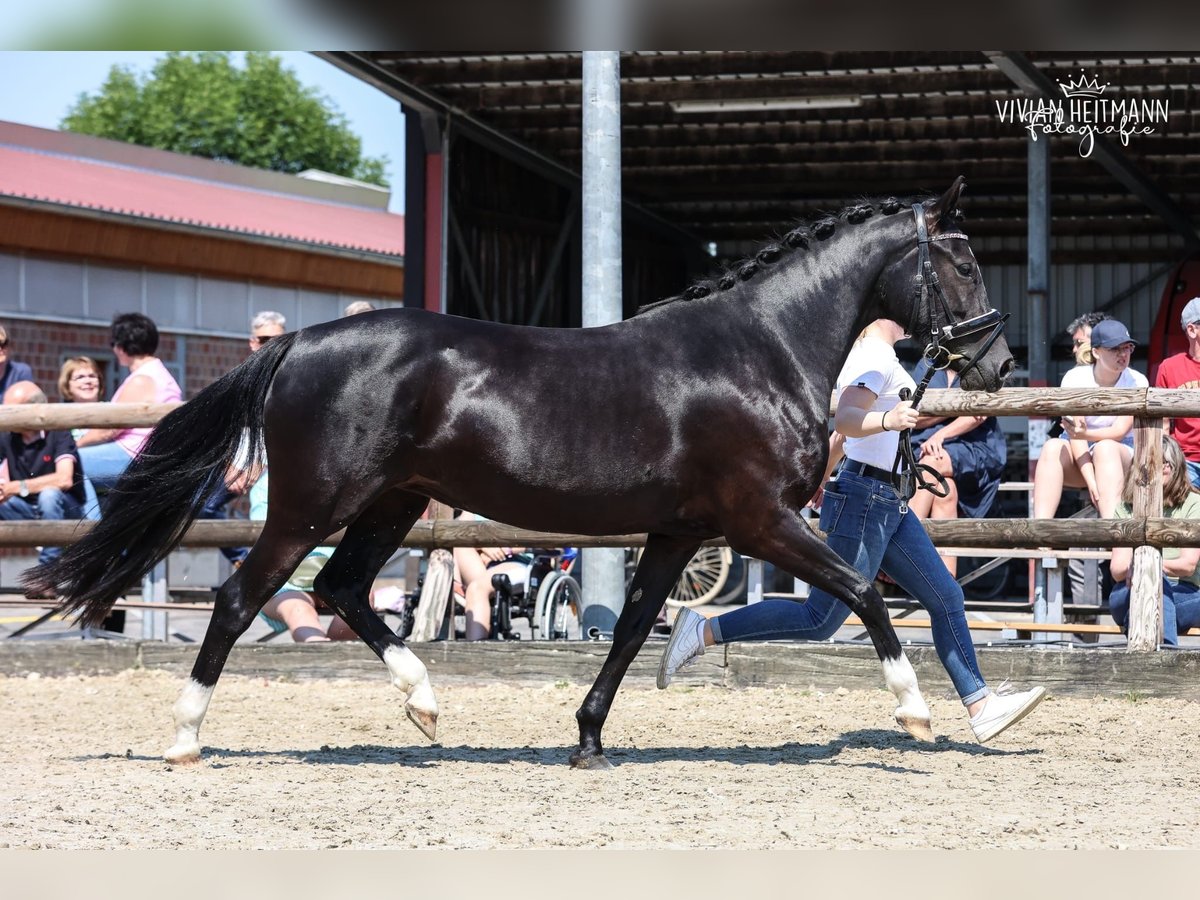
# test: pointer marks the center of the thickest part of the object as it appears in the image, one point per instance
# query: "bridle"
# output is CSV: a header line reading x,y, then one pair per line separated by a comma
x,y
907,473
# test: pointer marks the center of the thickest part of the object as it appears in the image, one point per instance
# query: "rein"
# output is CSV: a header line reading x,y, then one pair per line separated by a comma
x,y
907,473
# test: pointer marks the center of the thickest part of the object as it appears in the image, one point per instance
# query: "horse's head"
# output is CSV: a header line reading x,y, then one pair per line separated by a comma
x,y
934,288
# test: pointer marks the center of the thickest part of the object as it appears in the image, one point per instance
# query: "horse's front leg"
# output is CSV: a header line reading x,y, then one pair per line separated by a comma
x,y
659,569
791,545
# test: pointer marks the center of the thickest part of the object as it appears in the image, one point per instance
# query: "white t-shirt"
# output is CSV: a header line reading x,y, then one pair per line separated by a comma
x,y
1084,377
872,364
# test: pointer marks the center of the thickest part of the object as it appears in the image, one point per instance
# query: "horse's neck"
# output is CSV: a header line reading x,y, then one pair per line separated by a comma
x,y
824,299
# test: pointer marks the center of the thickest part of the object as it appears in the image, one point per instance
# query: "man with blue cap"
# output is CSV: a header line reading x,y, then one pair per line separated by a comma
x,y
1183,371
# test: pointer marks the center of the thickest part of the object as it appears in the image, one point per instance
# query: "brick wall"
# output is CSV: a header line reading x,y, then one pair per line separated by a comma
x,y
43,344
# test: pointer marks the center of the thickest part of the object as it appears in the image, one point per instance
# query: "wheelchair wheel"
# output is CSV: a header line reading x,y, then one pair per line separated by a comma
x,y
557,610
703,578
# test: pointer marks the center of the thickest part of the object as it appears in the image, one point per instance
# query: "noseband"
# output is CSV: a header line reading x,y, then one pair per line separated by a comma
x,y
907,474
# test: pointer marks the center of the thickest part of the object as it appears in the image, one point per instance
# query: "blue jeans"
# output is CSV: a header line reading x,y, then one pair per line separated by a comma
x,y
49,504
214,508
103,465
1180,609
865,527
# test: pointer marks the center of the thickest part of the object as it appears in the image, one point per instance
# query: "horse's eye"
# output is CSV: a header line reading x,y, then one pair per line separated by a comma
x,y
964,268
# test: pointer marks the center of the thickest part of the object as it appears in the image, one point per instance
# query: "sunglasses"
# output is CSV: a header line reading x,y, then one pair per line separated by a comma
x,y
4,344
262,338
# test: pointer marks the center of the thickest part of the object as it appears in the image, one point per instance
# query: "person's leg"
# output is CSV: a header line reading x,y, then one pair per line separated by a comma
x,y
1186,601
1112,461
103,465
1170,612
1118,605
16,509
54,505
1055,468
912,561
477,606
855,533
298,612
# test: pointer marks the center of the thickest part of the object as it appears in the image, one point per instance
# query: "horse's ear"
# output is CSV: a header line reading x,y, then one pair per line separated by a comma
x,y
946,205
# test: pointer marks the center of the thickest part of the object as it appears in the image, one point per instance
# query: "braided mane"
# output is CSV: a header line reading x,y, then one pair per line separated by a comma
x,y
800,237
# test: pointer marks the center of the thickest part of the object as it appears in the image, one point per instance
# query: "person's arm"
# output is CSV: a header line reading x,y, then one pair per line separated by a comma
x,y
856,419
1114,432
136,389
837,449
957,427
62,478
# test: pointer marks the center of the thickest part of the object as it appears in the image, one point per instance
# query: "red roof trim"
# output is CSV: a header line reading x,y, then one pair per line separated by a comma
x,y
88,184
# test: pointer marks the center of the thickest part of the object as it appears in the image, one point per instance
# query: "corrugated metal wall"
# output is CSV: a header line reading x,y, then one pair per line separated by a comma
x,y
1080,287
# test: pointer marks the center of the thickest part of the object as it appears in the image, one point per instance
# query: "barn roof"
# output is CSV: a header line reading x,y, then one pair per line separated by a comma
x,y
730,144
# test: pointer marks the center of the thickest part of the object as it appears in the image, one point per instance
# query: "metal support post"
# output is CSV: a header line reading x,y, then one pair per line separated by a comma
x,y
154,590
603,568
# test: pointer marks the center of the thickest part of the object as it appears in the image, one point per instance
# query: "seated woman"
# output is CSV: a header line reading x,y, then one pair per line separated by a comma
x,y
970,453
106,452
1097,450
1181,578
474,568
295,608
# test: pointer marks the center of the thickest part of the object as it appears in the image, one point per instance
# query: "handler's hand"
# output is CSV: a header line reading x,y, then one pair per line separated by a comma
x,y
901,416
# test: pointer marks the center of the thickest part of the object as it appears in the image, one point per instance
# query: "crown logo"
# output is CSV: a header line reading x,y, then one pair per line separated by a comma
x,y
1083,87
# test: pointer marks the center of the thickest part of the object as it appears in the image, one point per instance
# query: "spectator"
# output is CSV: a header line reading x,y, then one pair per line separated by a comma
x,y
105,453
11,372
1182,370
81,381
474,568
294,607
1181,580
969,451
358,306
868,527
1080,331
264,326
1096,451
42,477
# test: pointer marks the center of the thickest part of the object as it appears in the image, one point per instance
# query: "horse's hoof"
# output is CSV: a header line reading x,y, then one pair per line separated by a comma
x,y
424,720
182,754
920,728
590,763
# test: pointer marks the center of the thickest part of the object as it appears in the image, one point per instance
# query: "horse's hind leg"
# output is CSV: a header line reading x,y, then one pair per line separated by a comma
x,y
792,546
660,567
272,559
345,583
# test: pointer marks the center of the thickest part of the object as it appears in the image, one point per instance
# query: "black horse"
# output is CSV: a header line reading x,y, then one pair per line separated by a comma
x,y
704,415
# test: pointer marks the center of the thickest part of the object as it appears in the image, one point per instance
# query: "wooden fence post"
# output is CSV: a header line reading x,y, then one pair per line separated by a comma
x,y
1145,594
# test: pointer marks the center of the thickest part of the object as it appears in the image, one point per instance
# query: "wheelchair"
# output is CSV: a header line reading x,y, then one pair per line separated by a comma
x,y
550,599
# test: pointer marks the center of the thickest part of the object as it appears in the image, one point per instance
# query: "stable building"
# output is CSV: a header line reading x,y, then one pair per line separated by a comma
x,y
90,228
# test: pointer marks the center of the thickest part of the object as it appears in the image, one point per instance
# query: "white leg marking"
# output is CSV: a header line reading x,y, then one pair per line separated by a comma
x,y
409,675
189,713
912,712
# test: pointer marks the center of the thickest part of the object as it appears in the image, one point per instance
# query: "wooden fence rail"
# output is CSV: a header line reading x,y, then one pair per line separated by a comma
x,y
1147,531
1057,534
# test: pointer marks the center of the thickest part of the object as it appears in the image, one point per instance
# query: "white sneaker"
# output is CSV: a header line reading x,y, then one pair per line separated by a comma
x,y
1004,707
685,646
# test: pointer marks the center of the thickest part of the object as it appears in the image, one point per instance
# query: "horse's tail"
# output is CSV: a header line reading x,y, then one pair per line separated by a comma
x,y
164,488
